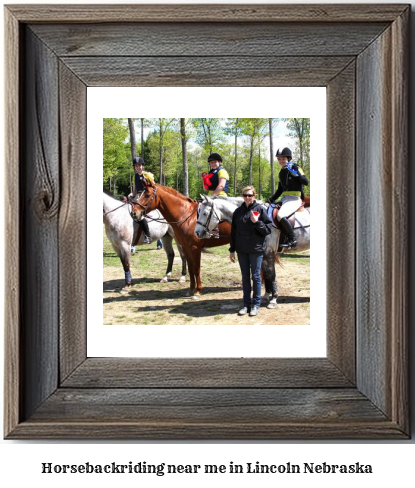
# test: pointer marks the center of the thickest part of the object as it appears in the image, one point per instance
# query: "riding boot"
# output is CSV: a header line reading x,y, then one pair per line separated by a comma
x,y
287,228
144,226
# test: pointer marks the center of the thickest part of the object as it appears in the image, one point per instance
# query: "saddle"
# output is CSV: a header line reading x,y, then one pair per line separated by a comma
x,y
291,219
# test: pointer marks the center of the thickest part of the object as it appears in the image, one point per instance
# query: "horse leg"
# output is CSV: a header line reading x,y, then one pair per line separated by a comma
x,y
184,264
191,257
270,280
125,252
168,248
197,259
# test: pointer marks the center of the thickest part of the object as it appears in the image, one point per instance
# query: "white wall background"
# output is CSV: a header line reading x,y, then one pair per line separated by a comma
x,y
392,462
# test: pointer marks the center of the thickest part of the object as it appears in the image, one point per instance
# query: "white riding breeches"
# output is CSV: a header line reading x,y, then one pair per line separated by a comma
x,y
290,204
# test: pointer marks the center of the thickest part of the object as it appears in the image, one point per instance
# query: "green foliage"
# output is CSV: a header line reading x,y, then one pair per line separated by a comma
x,y
162,139
209,134
115,133
299,130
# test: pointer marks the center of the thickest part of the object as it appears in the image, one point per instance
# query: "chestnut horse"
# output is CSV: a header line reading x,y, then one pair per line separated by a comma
x,y
181,213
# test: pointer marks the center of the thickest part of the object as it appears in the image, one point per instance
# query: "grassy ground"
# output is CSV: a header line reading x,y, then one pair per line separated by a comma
x,y
152,302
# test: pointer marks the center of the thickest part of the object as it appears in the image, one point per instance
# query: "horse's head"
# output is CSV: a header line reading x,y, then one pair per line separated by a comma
x,y
207,219
144,202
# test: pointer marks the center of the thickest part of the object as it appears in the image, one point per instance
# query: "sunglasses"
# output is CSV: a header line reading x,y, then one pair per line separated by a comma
x,y
246,195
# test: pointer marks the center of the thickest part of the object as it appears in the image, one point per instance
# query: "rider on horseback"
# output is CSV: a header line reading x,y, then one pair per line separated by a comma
x,y
290,187
217,180
140,176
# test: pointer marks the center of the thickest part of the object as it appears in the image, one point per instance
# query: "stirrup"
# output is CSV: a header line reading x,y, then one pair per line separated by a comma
x,y
147,240
290,244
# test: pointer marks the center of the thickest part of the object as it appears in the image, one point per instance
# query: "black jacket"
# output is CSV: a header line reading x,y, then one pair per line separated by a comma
x,y
247,237
290,183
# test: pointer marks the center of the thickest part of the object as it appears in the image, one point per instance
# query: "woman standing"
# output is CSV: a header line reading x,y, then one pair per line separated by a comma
x,y
250,226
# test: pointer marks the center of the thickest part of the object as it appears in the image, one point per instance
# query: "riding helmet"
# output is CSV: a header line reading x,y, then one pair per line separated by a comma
x,y
138,161
214,157
285,152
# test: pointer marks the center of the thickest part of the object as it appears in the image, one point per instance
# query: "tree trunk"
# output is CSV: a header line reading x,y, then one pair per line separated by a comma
x,y
132,139
271,158
236,157
142,138
161,152
184,156
259,166
251,154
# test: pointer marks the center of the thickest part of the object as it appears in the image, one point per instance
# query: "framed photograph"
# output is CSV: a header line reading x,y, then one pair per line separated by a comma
x,y
359,389
162,320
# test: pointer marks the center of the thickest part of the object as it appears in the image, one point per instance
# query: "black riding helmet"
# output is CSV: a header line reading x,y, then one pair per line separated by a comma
x,y
138,161
215,157
286,151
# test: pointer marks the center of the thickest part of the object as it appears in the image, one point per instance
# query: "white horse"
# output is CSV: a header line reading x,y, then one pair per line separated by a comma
x,y
215,210
123,232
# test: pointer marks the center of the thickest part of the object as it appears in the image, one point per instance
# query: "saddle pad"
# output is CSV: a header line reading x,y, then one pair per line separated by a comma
x,y
302,216
270,211
302,219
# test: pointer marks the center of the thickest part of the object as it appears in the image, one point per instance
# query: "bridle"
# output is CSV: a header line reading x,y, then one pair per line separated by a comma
x,y
205,226
145,208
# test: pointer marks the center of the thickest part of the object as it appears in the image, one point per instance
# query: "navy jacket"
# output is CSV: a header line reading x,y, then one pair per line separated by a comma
x,y
247,237
290,184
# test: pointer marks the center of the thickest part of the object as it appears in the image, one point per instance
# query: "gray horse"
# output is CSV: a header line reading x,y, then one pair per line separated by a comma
x,y
122,232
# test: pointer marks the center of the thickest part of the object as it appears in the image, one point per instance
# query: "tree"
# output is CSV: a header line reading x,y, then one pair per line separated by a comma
x,y
208,133
251,128
133,142
163,126
142,137
271,155
184,157
234,128
115,133
300,132
261,136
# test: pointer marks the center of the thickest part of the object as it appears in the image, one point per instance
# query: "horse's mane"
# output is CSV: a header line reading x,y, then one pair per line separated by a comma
x,y
176,193
234,200
109,194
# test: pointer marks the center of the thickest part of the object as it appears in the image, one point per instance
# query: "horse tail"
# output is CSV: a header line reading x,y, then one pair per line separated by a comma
x,y
278,260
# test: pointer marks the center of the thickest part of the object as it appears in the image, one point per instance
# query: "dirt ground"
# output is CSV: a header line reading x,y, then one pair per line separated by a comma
x,y
151,302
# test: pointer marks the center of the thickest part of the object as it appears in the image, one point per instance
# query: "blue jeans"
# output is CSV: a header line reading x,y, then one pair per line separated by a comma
x,y
251,263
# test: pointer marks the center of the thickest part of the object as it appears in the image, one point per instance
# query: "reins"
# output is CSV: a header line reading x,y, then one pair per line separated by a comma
x,y
145,208
177,222
114,209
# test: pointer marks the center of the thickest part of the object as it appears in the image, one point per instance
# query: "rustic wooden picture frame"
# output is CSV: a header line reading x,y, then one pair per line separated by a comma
x,y
360,53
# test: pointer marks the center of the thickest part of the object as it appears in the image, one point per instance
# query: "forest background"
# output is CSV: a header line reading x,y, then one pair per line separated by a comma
x,y
176,151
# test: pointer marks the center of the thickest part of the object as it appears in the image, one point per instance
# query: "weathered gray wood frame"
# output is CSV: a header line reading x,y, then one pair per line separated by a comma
x,y
360,53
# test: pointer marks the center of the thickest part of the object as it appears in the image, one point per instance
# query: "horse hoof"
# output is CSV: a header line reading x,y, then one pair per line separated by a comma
x,y
164,280
196,297
182,279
